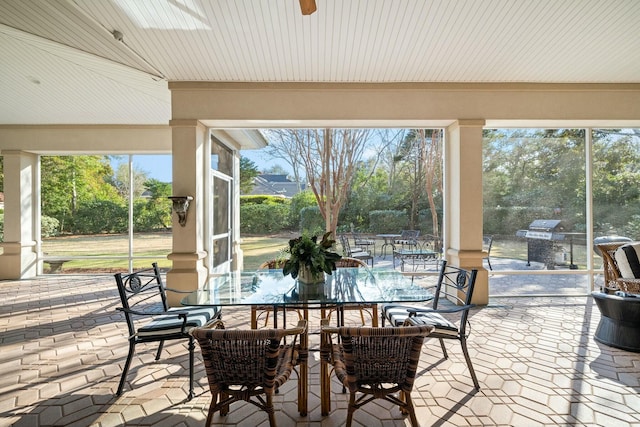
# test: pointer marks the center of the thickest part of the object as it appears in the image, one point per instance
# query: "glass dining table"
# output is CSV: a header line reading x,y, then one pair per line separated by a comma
x,y
283,293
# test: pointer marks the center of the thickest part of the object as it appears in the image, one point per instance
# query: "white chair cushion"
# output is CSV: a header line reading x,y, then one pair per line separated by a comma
x,y
628,259
168,324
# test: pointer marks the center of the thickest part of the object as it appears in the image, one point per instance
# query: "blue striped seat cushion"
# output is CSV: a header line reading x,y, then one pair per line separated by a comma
x,y
168,324
398,314
628,259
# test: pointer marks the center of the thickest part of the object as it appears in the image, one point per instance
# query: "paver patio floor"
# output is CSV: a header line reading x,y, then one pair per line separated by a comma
x,y
63,345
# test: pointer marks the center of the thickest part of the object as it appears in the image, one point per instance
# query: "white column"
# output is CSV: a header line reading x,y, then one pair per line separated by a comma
x,y
463,201
190,158
21,216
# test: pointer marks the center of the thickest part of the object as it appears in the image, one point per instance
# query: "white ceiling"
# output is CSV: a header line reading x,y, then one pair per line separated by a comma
x,y
61,63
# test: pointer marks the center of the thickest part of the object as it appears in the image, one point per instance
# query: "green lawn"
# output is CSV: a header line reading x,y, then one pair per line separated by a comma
x,y
257,249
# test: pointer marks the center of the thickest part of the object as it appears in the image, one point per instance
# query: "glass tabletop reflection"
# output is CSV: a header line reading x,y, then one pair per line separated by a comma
x,y
343,286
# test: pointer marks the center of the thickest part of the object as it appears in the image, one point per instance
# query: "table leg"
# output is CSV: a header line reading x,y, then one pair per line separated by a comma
x,y
303,380
325,382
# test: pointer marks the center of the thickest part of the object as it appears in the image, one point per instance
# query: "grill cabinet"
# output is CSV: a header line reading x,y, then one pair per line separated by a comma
x,y
542,237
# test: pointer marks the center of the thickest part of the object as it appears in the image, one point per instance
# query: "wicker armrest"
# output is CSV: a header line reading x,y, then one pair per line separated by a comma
x,y
215,324
300,328
631,286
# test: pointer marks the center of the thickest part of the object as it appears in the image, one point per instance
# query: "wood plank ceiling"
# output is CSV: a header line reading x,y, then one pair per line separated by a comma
x,y
109,61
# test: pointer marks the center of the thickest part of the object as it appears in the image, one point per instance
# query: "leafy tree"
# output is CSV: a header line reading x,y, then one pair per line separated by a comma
x,y
69,181
155,211
120,180
248,171
276,170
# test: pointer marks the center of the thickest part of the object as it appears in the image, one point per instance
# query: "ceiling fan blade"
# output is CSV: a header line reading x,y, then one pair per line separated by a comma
x,y
308,6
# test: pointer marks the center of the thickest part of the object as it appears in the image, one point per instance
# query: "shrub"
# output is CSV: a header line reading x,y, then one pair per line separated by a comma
x,y
311,221
388,221
49,226
101,216
263,199
303,199
263,218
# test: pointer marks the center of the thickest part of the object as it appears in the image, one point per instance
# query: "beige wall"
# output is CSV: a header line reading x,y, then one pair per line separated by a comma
x,y
99,139
359,105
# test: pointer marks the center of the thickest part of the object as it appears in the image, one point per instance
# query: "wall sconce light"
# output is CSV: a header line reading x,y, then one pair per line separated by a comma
x,y
181,206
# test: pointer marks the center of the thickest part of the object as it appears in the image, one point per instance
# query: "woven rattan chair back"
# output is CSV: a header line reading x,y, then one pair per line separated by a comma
x,y
375,363
612,278
246,365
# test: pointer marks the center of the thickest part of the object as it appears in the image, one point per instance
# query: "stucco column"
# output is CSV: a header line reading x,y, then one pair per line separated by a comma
x,y
21,214
191,159
463,201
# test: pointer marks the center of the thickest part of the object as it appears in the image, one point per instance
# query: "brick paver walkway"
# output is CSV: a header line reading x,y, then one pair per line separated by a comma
x,y
62,347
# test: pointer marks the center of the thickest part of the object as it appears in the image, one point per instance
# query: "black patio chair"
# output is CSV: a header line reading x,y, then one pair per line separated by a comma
x,y
367,245
408,238
354,253
454,284
150,319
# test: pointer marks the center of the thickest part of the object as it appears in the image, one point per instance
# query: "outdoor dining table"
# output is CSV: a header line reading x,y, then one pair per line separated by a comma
x,y
414,254
389,240
343,286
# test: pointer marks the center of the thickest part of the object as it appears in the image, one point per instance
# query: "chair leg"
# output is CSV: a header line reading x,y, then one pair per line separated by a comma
x,y
127,364
214,401
374,315
254,317
192,347
444,348
411,410
465,351
352,408
159,352
270,410
325,388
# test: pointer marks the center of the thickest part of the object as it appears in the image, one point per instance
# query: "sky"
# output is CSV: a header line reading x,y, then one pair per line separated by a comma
x,y
156,166
159,166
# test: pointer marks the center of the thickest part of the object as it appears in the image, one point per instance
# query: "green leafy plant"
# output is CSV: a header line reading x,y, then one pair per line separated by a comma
x,y
307,251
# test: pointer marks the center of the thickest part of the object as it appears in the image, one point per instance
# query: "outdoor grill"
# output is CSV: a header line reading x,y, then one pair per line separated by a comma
x,y
543,237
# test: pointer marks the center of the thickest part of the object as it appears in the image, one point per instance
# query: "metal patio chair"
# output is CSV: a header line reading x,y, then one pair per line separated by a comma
x,y
149,318
455,284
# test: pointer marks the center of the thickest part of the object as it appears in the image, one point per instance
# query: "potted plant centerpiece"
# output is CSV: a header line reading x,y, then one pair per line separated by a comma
x,y
309,259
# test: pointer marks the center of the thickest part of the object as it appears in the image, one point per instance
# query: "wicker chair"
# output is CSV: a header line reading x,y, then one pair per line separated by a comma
x,y
258,311
612,279
619,312
372,363
371,309
246,365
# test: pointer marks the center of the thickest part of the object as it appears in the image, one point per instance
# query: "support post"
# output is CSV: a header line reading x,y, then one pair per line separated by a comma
x,y
464,203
